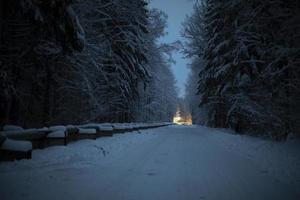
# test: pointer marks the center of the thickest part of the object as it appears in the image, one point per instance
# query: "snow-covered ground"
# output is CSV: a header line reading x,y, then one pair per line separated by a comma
x,y
279,159
176,162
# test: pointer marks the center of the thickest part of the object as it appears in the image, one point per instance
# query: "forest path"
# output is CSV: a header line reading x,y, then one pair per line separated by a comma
x,y
176,162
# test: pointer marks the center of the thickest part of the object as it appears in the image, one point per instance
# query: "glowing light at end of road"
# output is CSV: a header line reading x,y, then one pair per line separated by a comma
x,y
176,120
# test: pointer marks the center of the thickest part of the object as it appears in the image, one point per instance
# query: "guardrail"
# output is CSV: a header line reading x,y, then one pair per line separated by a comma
x,y
18,143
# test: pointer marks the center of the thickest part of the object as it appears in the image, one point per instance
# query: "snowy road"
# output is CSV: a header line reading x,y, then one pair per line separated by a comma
x,y
166,163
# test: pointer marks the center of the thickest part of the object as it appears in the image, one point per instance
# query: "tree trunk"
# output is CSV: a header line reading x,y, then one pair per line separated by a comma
x,y
46,106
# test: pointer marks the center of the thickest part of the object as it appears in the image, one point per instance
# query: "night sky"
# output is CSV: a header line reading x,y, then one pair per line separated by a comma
x,y
177,10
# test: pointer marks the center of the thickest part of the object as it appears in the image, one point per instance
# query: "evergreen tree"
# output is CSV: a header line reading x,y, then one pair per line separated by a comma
x,y
245,77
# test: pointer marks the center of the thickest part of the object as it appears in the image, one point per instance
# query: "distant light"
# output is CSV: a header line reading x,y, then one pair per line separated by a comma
x,y
177,119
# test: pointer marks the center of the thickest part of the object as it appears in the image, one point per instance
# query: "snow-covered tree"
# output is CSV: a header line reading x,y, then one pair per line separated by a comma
x,y
158,98
34,35
249,71
79,61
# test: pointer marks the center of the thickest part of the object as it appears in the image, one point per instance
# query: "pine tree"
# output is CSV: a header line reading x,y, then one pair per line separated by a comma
x,y
249,71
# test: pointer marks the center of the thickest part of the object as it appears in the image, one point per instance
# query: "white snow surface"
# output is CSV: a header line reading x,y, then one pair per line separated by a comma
x,y
12,128
57,134
16,145
106,128
56,128
175,162
118,126
70,126
102,126
19,132
44,129
87,131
